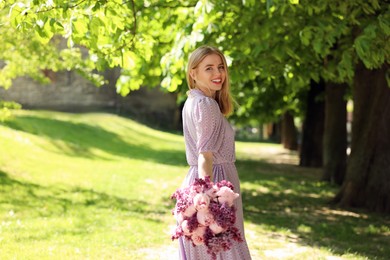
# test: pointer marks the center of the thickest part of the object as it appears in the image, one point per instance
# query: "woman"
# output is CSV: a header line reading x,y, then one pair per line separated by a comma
x,y
209,139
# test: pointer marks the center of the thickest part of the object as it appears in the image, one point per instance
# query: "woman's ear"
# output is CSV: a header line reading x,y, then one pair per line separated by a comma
x,y
192,74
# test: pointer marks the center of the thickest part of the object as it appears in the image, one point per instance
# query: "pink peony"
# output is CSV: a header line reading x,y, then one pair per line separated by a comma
x,y
216,228
198,236
179,217
185,228
204,217
225,194
201,201
191,210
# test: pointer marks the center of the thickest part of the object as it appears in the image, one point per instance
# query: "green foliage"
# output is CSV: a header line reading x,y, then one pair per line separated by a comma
x,y
10,105
276,44
34,53
297,43
133,35
6,108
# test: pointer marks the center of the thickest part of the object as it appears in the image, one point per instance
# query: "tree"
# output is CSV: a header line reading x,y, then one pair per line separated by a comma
x,y
335,136
313,127
289,132
115,33
367,182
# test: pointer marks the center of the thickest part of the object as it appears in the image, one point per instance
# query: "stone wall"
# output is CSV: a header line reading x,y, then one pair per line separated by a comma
x,y
68,91
152,106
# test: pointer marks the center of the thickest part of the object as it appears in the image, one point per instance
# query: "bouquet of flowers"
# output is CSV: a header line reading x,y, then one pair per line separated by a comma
x,y
206,215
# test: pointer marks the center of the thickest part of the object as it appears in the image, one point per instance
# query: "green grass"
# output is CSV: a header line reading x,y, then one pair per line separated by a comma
x,y
97,186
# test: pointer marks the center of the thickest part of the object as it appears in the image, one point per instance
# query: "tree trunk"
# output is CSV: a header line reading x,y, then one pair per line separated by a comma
x,y
289,132
273,132
313,127
335,133
367,182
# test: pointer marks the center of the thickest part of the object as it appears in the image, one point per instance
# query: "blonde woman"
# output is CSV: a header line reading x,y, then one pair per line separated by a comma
x,y
209,139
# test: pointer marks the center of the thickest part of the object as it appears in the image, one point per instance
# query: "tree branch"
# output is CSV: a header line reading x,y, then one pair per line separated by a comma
x,y
58,7
134,29
135,18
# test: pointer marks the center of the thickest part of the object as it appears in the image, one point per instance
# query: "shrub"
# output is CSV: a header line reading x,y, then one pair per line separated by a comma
x,y
6,108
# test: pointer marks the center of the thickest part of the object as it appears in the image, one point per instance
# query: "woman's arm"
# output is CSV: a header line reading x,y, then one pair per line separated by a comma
x,y
205,165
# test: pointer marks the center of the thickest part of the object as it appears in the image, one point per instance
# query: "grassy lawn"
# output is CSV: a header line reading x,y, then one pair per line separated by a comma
x,y
97,186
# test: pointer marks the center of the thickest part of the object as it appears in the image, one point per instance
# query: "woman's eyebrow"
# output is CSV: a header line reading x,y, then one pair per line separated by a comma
x,y
208,65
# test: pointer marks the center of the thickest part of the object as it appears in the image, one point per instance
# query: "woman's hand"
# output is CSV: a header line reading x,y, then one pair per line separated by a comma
x,y
205,165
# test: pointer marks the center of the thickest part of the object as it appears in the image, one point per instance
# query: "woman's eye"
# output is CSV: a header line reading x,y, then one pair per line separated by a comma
x,y
221,68
209,68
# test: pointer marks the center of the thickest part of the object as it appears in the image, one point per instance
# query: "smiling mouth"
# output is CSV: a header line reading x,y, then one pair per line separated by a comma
x,y
217,80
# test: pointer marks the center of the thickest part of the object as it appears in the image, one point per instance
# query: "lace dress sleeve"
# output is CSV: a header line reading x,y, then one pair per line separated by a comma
x,y
208,124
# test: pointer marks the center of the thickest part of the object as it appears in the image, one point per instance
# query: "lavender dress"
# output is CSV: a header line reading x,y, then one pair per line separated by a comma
x,y
207,130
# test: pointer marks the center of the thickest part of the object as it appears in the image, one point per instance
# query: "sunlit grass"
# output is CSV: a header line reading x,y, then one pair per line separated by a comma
x,y
97,186
89,185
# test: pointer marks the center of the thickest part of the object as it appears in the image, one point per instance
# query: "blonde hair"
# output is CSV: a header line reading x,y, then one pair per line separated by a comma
x,y
223,96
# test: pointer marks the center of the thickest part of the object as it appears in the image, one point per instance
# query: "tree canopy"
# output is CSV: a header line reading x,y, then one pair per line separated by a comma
x,y
275,47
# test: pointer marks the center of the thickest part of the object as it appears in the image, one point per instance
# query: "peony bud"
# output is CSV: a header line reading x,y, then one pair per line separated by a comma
x,y
225,194
190,210
201,201
198,236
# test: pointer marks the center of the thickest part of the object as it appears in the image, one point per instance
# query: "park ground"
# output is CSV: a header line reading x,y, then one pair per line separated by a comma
x,y
98,186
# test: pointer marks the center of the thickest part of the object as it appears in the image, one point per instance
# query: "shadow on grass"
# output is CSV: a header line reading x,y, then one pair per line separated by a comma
x,y
79,139
289,197
41,201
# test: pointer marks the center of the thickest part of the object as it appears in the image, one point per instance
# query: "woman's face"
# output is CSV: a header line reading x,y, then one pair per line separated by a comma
x,y
210,74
